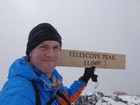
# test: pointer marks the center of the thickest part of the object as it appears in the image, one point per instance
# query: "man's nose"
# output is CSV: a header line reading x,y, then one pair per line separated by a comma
x,y
50,53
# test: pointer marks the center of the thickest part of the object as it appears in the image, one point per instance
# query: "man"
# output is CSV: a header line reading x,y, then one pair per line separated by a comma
x,y
36,72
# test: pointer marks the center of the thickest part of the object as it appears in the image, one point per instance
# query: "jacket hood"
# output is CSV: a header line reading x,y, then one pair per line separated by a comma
x,y
21,67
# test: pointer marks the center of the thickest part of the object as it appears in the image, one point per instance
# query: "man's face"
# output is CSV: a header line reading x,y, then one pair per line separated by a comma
x,y
45,56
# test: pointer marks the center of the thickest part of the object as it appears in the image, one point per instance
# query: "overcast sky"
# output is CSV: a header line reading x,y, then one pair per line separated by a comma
x,y
111,26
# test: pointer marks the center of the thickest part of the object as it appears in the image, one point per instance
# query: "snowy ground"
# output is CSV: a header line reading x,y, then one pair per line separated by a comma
x,y
117,98
126,100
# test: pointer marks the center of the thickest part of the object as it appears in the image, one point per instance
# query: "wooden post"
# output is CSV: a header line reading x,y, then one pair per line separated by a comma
x,y
77,58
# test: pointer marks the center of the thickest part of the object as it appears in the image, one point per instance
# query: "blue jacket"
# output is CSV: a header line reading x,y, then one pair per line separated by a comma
x,y
18,90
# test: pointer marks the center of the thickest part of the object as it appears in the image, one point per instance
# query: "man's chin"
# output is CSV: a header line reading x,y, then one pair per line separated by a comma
x,y
50,67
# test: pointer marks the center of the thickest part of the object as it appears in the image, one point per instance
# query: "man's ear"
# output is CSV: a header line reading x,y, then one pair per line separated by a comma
x,y
30,54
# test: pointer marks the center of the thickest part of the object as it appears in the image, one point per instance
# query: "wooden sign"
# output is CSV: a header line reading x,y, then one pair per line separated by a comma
x,y
76,58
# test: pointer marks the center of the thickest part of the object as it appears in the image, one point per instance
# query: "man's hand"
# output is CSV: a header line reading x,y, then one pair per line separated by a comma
x,y
89,73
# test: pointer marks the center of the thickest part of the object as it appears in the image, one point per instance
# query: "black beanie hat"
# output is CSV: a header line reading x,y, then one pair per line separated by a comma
x,y
40,33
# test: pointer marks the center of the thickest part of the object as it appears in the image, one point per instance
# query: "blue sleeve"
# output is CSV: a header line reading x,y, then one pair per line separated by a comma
x,y
16,92
73,92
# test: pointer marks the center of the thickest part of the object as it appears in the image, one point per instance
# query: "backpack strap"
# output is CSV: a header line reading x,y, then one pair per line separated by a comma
x,y
51,100
38,102
63,97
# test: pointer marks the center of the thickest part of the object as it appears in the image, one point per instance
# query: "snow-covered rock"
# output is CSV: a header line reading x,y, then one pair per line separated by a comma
x,y
117,98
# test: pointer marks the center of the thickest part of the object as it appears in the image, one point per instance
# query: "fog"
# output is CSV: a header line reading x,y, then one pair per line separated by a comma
x,y
111,26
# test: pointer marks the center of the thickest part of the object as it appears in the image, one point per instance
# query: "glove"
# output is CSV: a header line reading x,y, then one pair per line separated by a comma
x,y
89,73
